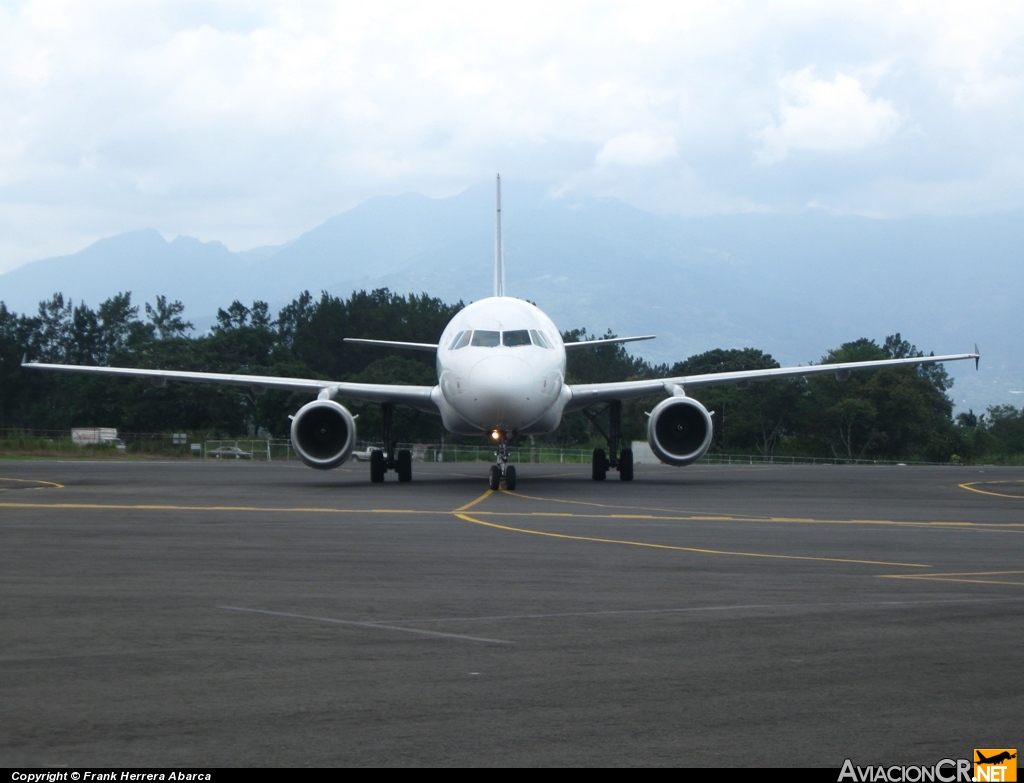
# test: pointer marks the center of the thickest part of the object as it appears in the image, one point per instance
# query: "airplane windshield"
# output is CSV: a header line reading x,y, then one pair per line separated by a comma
x,y
515,338
487,338
539,339
484,338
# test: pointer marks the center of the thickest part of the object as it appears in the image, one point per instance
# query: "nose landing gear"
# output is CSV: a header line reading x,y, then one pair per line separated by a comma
x,y
502,471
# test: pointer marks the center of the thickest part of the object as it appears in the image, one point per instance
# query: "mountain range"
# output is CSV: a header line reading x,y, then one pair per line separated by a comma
x,y
793,285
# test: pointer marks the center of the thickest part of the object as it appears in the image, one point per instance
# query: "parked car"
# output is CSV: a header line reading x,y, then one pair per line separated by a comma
x,y
229,452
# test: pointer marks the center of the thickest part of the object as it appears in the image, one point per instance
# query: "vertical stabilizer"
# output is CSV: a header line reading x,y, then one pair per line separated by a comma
x,y
499,251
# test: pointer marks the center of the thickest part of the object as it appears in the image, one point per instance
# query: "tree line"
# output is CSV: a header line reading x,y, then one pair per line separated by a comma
x,y
895,413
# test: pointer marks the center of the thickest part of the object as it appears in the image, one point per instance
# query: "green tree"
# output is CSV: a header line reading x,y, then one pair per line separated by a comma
x,y
17,388
1004,425
891,413
165,318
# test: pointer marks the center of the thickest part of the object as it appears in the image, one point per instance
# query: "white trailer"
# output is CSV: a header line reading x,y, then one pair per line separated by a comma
x,y
85,436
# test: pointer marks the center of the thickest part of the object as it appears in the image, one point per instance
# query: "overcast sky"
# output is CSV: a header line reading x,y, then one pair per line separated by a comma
x,y
252,122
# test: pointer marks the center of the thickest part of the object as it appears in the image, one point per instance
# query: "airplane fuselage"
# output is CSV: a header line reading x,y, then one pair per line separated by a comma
x,y
501,367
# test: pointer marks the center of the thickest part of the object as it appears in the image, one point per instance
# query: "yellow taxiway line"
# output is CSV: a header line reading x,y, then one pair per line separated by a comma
x,y
614,512
971,486
675,548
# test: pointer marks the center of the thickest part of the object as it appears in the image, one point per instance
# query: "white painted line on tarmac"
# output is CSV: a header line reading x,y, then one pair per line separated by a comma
x,y
364,624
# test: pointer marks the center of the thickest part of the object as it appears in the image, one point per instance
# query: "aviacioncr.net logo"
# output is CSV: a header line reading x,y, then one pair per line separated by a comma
x,y
944,771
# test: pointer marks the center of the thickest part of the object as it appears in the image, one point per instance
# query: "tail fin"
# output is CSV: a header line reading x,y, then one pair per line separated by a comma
x,y
499,251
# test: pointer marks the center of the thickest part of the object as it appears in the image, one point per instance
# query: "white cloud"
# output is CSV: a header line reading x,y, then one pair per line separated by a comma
x,y
637,148
252,122
974,51
825,116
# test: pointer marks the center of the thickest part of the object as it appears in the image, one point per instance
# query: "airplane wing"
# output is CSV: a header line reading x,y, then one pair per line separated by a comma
x,y
432,347
418,397
586,394
607,341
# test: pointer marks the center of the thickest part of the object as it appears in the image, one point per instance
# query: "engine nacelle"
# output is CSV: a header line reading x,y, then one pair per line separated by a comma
x,y
679,430
323,434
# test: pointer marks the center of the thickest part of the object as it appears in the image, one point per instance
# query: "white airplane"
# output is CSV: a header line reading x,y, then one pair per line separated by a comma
x,y
500,373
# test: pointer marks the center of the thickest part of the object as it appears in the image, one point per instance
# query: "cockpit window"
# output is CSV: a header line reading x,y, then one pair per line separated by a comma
x,y
484,338
515,338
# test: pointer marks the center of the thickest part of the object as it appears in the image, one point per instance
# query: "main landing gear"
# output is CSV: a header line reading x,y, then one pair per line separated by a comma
x,y
381,462
618,460
502,471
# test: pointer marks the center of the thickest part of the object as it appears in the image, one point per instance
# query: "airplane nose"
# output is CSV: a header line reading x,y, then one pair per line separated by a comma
x,y
504,391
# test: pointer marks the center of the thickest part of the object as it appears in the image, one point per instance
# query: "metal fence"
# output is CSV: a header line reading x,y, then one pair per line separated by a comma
x,y
44,442
282,451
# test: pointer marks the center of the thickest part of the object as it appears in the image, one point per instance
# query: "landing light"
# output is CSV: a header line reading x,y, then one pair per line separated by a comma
x,y
495,435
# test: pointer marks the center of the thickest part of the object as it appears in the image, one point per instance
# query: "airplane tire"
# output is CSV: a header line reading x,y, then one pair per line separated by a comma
x,y
404,466
494,478
600,465
626,465
510,478
377,466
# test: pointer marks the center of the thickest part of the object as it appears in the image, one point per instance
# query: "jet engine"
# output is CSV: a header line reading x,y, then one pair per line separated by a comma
x,y
679,430
323,434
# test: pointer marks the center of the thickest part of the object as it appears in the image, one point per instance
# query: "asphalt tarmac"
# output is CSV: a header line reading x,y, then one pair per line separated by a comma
x,y
207,614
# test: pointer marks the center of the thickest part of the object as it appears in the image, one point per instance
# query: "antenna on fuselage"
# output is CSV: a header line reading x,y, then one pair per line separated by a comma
x,y
499,251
